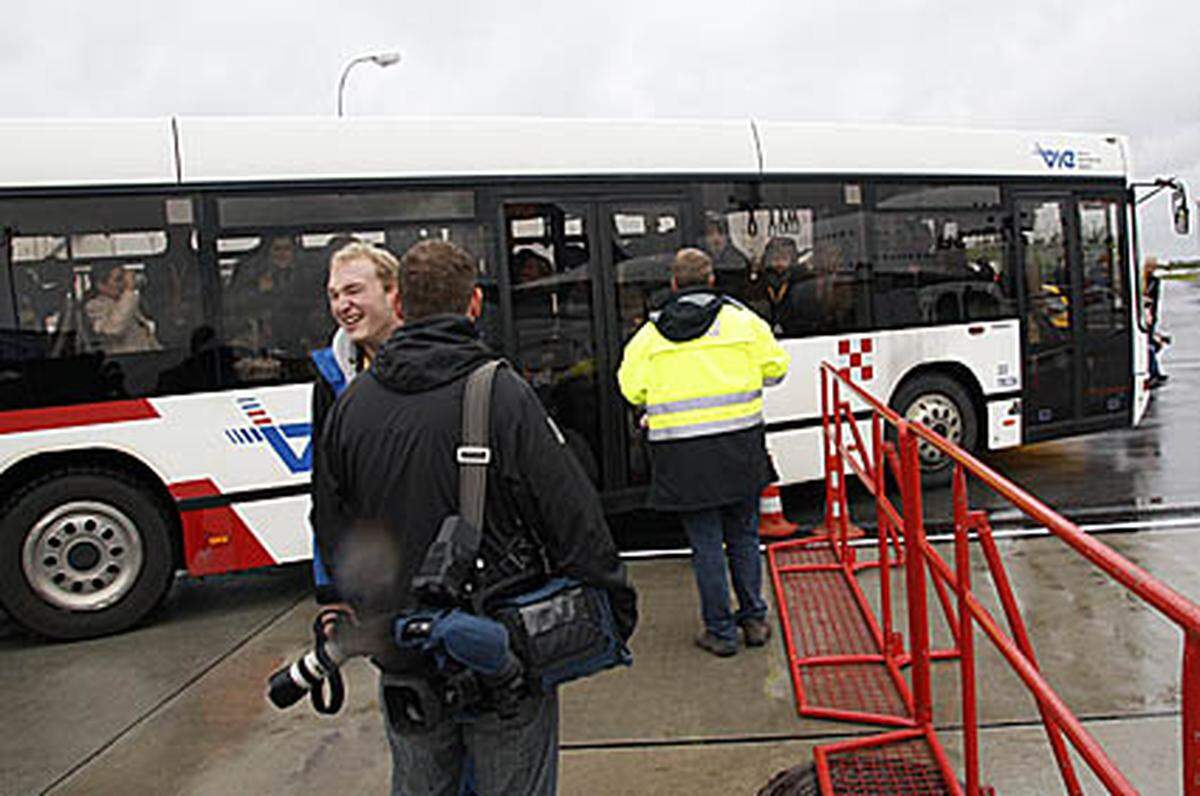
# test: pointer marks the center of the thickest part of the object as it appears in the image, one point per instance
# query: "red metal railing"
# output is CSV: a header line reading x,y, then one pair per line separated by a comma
x,y
901,540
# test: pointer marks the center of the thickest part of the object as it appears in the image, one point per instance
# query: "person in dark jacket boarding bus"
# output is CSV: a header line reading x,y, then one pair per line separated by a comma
x,y
698,369
387,478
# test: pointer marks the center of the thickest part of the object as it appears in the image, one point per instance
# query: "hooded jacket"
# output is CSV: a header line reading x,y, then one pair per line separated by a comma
x,y
699,368
386,473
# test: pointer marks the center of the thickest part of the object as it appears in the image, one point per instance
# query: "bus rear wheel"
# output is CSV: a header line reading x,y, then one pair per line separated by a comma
x,y
83,553
942,404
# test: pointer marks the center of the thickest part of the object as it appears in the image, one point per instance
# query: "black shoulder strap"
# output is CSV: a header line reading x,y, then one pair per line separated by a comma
x,y
473,454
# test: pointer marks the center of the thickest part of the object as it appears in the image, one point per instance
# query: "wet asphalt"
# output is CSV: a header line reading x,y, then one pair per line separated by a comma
x,y
177,706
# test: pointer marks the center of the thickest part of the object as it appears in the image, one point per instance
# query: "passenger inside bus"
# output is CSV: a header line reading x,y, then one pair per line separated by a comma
x,y
40,288
730,266
115,318
172,291
274,310
793,289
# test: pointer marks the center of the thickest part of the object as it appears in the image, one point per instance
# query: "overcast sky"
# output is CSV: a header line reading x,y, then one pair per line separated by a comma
x,y
1089,65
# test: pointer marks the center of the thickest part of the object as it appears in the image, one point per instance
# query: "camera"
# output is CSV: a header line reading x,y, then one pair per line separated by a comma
x,y
309,673
464,661
471,666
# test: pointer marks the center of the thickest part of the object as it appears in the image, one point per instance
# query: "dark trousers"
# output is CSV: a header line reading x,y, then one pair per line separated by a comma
x,y
486,756
725,545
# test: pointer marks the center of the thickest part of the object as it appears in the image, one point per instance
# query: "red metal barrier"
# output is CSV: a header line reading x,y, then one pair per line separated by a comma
x,y
832,659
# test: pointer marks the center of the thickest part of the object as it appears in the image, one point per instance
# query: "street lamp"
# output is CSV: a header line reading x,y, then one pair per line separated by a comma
x,y
379,59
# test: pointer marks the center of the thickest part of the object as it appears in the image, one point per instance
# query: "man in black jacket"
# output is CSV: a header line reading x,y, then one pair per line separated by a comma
x,y
362,290
388,476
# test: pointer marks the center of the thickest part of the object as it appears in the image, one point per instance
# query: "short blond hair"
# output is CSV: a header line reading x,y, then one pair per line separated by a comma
x,y
387,267
691,268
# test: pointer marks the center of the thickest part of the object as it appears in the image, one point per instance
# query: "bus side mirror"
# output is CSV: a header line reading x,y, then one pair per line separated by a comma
x,y
1179,210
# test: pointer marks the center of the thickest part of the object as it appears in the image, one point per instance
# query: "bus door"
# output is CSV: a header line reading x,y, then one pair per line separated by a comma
x,y
1048,314
1075,313
582,275
1106,314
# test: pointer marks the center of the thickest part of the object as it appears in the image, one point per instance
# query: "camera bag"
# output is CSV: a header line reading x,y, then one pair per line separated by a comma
x,y
563,630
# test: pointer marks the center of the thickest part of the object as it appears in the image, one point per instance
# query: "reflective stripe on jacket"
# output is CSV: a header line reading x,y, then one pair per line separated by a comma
x,y
711,384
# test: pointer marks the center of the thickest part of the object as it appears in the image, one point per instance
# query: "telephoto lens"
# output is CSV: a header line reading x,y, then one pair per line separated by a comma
x,y
288,686
336,638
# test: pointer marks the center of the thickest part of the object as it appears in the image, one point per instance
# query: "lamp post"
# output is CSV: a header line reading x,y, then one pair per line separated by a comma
x,y
379,59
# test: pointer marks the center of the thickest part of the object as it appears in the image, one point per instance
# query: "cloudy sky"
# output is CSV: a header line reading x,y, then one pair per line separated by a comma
x,y
1089,65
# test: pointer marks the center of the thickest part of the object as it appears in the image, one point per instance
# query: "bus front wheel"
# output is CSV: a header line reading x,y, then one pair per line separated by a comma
x,y
83,553
942,404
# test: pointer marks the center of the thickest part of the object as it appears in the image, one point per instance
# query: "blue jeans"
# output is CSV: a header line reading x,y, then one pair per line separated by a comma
x,y
486,756
736,525
1155,370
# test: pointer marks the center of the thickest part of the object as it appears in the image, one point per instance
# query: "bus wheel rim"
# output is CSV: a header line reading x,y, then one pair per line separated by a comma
x,y
82,556
938,413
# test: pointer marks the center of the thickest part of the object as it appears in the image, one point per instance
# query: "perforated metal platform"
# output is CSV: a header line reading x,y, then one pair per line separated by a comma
x,y
900,767
834,646
839,671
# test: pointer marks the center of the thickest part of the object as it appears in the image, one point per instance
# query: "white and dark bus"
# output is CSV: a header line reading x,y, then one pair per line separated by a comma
x,y
984,282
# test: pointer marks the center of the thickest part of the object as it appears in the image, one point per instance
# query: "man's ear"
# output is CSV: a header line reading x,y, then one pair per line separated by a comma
x,y
397,305
475,308
712,280
674,285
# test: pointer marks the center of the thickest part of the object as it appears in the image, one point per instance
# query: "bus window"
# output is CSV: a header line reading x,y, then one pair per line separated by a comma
x,y
476,240
940,266
274,306
108,286
550,249
939,255
1104,303
1105,310
645,239
344,210
795,255
1050,383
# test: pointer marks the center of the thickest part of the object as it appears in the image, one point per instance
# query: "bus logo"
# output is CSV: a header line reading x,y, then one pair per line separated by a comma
x,y
264,430
855,359
1056,158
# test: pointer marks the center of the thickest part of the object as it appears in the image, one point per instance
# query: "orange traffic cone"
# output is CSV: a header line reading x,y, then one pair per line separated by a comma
x,y
771,522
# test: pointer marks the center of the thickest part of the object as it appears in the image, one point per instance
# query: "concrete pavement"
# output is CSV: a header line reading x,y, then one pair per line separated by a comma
x,y
179,708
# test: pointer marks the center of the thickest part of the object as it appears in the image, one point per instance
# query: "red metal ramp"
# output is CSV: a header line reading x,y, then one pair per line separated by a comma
x,y
846,662
835,649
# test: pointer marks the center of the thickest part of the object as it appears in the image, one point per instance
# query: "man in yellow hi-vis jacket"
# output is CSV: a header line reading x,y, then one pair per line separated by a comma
x,y
698,368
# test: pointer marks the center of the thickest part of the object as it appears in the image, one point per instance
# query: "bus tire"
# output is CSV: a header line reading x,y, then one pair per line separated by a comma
x,y
942,404
83,553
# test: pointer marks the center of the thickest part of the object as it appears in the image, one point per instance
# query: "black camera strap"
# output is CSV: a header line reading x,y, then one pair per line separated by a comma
x,y
474,454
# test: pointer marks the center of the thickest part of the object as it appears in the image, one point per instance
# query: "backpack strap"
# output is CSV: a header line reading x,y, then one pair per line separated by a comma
x,y
474,455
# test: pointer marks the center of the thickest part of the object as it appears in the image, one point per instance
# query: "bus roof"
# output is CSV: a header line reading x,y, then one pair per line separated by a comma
x,y
191,150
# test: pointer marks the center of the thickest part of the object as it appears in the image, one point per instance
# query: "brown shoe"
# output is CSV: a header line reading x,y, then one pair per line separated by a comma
x,y
756,631
717,646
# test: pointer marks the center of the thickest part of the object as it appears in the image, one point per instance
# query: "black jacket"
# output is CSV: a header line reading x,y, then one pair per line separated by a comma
x,y
339,363
322,402
386,473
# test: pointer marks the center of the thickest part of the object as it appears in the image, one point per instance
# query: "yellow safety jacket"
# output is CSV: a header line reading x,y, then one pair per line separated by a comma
x,y
710,384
